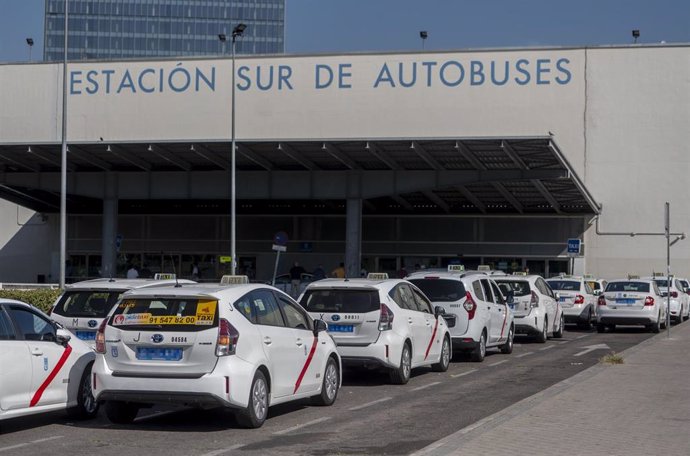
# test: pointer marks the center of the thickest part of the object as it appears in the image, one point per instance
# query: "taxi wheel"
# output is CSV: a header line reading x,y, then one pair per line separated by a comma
x,y
86,407
330,385
601,328
587,324
444,359
544,334
401,375
257,409
121,412
479,353
559,332
507,348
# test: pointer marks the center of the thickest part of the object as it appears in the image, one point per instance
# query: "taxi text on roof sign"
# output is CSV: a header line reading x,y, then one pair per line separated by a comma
x,y
234,279
377,276
484,268
456,268
164,276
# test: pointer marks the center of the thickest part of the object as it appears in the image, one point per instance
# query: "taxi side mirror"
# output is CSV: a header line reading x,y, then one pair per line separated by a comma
x,y
557,295
439,311
62,337
319,326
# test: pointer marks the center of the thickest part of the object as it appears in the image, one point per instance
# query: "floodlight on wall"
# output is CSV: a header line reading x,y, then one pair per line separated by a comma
x,y
222,37
423,35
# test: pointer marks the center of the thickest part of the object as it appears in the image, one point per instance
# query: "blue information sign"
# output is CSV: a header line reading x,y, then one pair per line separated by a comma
x,y
574,246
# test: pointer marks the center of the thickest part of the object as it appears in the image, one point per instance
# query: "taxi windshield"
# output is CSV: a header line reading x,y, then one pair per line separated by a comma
x,y
642,287
661,283
86,303
564,285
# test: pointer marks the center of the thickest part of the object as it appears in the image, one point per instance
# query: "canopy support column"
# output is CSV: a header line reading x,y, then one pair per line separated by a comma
x,y
109,233
353,237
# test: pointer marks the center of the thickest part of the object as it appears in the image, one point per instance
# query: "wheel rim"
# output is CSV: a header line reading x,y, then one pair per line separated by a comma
x,y
406,362
331,381
482,345
546,329
560,330
259,399
87,397
511,337
445,353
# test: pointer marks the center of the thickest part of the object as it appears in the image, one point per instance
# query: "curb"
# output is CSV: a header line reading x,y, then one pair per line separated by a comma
x,y
451,444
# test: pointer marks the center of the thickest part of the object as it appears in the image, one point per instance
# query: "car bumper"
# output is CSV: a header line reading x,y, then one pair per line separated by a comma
x,y
626,317
227,386
576,314
528,323
385,352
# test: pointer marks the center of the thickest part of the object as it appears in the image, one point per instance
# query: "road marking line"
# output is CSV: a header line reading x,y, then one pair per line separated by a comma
x,y
155,415
369,404
547,347
498,362
33,442
425,386
462,374
524,354
224,450
582,336
563,342
303,425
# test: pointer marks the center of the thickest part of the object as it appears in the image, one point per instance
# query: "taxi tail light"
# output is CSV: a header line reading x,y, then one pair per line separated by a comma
x,y
227,338
674,294
385,318
469,305
649,301
579,299
100,337
534,301
601,301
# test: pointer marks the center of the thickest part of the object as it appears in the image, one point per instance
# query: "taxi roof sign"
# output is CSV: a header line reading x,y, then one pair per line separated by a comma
x,y
484,268
164,276
377,276
234,280
633,276
519,273
456,268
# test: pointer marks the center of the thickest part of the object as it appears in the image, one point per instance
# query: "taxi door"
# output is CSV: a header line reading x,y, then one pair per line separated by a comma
x,y
432,347
49,367
15,374
282,348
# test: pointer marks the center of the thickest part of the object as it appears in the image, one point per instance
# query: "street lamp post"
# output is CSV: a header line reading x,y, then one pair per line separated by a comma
x,y
63,161
237,31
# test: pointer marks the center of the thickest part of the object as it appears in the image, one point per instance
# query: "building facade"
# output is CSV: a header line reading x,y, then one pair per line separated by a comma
x,y
117,29
385,160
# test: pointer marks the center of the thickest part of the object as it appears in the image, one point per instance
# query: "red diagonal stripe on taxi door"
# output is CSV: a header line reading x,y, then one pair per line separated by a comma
x,y
41,389
431,342
306,365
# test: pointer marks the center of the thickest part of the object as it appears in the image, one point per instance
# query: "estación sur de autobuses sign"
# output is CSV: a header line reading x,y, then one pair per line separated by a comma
x,y
191,77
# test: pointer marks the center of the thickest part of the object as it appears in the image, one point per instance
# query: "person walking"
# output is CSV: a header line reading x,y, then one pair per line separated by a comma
x,y
296,272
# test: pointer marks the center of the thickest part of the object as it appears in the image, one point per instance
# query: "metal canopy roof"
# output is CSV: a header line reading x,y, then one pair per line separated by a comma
x,y
500,175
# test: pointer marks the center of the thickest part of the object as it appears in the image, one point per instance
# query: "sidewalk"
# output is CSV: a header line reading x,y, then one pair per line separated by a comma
x,y
641,407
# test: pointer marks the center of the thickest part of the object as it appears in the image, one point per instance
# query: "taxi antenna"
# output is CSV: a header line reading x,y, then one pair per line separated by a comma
x,y
177,284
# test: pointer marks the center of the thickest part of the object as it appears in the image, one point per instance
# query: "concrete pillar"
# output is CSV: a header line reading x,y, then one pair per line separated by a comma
x,y
353,237
109,232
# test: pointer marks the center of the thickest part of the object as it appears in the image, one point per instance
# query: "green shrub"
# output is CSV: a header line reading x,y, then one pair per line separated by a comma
x,y
43,299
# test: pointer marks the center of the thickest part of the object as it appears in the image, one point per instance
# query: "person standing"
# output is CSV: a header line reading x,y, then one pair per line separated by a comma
x,y
132,272
296,272
339,272
319,273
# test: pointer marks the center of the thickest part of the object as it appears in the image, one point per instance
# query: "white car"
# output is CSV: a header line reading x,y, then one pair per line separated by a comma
x,y
631,302
679,302
535,306
42,369
241,346
685,283
83,305
476,311
577,300
597,285
381,322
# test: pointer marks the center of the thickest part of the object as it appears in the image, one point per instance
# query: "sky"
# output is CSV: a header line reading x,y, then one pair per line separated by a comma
x,y
336,26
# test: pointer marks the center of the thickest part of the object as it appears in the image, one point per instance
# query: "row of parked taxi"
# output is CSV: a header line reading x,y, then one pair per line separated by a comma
x,y
130,344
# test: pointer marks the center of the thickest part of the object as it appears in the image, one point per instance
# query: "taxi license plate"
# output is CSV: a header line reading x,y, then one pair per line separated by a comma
x,y
511,305
86,335
625,301
159,354
562,299
341,328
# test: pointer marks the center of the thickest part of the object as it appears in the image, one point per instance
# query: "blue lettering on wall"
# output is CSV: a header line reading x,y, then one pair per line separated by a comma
x,y
140,81
429,66
245,83
444,73
126,82
520,66
413,78
200,76
543,69
506,73
74,78
284,73
476,73
93,83
560,66
320,71
384,76
342,75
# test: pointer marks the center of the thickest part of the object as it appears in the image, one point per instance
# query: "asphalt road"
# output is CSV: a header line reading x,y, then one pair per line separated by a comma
x,y
369,417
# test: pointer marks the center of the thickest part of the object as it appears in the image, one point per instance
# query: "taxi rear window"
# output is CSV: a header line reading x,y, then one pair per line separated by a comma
x,y
350,301
175,314
440,290
86,303
642,287
564,285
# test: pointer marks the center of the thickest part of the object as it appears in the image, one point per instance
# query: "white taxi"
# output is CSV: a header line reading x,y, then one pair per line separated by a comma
x,y
576,298
83,305
535,307
631,302
685,283
679,301
476,311
381,322
42,369
236,345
